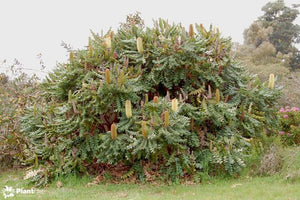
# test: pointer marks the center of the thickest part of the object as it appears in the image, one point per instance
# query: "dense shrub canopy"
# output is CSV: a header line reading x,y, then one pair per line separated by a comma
x,y
148,102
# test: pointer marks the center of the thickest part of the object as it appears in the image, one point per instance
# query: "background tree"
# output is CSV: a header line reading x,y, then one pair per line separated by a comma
x,y
276,30
280,17
256,34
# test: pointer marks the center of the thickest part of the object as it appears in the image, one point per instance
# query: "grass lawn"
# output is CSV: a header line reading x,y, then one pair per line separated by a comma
x,y
261,188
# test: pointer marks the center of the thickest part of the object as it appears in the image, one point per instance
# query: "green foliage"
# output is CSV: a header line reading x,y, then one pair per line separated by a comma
x,y
70,130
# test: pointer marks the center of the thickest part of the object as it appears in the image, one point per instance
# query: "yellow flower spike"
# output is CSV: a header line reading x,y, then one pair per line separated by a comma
x,y
144,131
210,146
155,99
113,131
128,109
191,31
271,81
174,105
107,76
146,98
107,42
166,118
71,56
111,34
139,45
217,95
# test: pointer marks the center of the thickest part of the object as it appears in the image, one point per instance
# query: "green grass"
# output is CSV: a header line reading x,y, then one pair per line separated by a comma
x,y
74,188
284,185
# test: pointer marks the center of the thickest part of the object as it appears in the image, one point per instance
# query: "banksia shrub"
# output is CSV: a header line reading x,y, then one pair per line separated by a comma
x,y
172,140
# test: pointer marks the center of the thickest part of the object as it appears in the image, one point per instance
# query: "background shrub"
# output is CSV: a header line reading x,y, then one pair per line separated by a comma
x,y
290,125
15,95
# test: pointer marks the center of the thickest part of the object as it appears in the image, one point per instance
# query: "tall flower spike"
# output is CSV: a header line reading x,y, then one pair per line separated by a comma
x,y
139,44
71,56
174,105
155,99
128,109
271,81
113,131
111,34
217,95
144,131
107,42
146,98
191,31
166,118
107,76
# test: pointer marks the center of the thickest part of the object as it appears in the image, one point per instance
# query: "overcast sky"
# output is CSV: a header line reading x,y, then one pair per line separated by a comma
x,y
30,27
